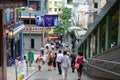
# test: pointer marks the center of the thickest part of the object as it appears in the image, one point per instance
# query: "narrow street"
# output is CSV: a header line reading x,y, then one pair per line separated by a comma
x,y
53,75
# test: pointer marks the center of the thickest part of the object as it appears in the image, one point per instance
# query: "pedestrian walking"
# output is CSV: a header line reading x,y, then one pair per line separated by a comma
x,y
42,50
65,65
59,61
54,60
80,59
39,62
50,61
73,57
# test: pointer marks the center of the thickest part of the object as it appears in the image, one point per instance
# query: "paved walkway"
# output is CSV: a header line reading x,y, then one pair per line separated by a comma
x,y
12,72
53,75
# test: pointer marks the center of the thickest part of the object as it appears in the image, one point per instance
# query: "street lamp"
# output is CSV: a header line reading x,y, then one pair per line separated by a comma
x,y
30,12
10,34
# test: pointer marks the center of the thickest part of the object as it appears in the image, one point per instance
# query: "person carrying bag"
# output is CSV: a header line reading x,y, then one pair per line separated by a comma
x,y
39,62
79,64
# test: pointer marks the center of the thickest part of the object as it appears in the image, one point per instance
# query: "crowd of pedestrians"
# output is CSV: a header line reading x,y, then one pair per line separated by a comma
x,y
58,55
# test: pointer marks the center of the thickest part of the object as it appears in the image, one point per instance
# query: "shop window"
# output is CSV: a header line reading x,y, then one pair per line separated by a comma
x,y
32,43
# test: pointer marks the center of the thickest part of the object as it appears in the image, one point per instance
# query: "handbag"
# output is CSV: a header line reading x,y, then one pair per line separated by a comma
x,y
76,66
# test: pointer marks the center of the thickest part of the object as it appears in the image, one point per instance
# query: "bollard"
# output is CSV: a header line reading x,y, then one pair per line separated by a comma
x,y
21,76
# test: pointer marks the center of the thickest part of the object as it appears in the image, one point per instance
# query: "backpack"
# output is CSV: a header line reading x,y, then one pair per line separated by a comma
x,y
80,60
50,60
47,47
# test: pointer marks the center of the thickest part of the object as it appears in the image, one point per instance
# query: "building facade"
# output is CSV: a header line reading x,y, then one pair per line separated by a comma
x,y
33,34
86,11
7,20
55,6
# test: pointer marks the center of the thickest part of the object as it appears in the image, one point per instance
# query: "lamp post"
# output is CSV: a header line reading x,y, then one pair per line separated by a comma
x,y
30,12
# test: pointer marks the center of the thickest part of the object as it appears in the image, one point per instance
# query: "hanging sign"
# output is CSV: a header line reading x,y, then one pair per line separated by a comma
x,y
51,21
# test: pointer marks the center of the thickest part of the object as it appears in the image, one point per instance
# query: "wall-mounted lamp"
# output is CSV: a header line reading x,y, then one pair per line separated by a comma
x,y
10,34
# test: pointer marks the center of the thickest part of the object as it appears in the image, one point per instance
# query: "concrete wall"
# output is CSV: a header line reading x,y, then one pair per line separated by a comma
x,y
102,66
37,41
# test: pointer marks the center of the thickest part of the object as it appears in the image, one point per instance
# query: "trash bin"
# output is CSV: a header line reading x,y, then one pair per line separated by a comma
x,y
31,56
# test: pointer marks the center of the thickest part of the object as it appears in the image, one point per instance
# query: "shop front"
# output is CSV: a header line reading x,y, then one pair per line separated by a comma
x,y
14,46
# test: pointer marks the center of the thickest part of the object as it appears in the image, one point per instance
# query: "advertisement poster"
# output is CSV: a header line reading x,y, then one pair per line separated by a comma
x,y
9,15
38,20
51,21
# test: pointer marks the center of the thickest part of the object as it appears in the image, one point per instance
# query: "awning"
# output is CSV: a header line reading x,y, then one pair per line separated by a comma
x,y
78,28
79,34
18,29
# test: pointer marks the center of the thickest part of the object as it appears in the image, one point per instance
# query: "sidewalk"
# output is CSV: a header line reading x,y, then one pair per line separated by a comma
x,y
12,73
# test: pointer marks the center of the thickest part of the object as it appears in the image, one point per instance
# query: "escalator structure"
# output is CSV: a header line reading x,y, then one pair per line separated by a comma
x,y
106,63
105,66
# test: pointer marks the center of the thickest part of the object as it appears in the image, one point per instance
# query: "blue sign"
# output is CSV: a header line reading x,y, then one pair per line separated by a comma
x,y
9,15
38,20
51,21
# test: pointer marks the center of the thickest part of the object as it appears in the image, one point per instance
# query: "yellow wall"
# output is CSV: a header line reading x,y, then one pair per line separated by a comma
x,y
55,4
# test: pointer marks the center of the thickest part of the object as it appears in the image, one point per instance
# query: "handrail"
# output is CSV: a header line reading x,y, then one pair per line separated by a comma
x,y
104,69
105,61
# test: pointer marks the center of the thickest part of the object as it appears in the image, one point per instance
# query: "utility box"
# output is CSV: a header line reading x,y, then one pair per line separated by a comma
x,y
31,56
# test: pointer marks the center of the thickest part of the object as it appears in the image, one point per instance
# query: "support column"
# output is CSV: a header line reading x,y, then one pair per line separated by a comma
x,y
88,48
84,49
98,39
3,72
119,27
108,32
21,45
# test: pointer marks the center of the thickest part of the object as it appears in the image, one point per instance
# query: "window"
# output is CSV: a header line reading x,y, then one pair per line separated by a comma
x,y
55,9
35,5
50,2
59,9
32,43
95,5
69,1
26,21
55,3
50,9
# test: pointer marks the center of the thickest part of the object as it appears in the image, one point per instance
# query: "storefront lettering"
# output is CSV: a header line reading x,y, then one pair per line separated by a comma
x,y
33,29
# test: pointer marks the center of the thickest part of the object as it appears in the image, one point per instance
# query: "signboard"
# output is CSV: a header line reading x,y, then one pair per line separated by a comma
x,y
33,29
9,15
51,21
38,20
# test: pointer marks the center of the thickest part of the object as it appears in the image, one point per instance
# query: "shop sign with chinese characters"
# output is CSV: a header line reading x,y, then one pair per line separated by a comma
x,y
33,29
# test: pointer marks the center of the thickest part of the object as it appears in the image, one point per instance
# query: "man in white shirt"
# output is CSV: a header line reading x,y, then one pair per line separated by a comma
x,y
65,65
59,60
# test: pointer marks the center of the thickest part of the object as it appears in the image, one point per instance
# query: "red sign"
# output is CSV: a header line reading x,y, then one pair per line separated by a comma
x,y
33,29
